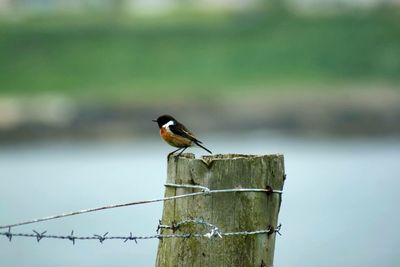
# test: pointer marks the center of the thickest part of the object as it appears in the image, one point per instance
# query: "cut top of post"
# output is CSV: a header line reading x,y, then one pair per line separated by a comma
x,y
210,160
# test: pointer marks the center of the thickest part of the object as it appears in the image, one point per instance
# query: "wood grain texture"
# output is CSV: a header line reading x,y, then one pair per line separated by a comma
x,y
231,212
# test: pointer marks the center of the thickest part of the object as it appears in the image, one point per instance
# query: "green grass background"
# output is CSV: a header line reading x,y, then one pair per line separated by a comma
x,y
81,56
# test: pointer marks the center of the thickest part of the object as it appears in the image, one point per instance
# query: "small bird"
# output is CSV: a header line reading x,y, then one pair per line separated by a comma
x,y
176,134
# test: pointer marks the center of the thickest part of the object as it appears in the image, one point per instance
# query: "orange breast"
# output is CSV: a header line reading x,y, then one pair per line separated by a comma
x,y
173,139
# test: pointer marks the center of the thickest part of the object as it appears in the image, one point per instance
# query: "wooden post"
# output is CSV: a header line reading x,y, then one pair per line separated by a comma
x,y
230,212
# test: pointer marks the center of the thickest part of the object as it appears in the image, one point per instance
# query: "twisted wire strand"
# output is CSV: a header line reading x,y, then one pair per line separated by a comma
x,y
211,233
205,191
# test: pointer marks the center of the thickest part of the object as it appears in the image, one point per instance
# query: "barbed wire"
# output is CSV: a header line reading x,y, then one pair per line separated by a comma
x,y
212,232
205,191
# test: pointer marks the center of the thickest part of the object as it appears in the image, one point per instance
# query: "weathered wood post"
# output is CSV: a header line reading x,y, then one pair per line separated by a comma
x,y
229,211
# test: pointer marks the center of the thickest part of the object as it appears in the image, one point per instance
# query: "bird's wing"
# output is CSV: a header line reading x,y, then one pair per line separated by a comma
x,y
181,130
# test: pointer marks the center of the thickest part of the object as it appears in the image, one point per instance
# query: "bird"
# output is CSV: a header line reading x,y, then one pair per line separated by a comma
x,y
177,135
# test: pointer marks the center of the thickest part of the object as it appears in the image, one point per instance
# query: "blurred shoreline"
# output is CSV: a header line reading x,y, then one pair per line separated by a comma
x,y
355,112
271,69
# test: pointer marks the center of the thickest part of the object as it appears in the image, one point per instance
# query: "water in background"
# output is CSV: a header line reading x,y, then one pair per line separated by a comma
x,y
340,202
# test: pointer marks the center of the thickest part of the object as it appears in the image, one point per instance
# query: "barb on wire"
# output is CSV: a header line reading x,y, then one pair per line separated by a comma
x,y
176,225
9,234
39,236
130,237
276,229
213,231
71,237
101,237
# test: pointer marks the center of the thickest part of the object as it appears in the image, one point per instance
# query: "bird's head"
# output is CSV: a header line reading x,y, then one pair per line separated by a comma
x,y
164,119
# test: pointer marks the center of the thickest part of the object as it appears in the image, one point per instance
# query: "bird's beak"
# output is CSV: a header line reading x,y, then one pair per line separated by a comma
x,y
154,120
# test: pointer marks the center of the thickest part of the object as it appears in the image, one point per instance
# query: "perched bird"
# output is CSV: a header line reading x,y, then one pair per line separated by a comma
x,y
176,134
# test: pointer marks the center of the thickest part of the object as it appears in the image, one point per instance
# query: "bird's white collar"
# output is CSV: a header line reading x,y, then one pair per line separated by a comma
x,y
168,124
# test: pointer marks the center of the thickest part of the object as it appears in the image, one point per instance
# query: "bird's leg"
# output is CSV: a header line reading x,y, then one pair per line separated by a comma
x,y
182,151
175,151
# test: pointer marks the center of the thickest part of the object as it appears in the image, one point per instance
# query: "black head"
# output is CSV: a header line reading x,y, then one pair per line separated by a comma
x,y
163,119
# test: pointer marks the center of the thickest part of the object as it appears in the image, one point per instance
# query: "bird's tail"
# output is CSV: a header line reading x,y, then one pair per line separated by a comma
x,y
198,144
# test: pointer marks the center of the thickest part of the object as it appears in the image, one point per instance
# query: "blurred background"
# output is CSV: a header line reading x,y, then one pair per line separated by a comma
x,y
315,80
